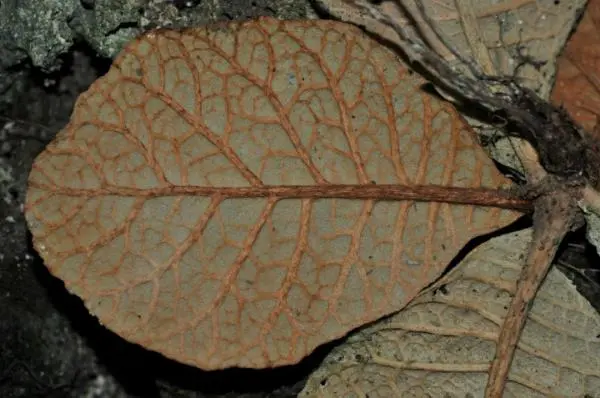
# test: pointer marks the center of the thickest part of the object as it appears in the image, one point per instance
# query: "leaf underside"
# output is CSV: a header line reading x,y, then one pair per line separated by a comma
x,y
119,209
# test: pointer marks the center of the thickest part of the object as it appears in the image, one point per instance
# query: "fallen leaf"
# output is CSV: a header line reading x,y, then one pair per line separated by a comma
x,y
441,344
577,86
171,203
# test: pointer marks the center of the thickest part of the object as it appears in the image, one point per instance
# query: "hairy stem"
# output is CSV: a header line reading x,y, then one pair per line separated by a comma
x,y
552,219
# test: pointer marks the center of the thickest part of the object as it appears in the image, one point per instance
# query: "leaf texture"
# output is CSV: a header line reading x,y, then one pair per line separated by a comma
x,y
442,343
158,203
577,86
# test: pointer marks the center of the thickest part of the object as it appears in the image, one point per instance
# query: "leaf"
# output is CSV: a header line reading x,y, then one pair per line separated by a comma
x,y
441,344
193,200
577,86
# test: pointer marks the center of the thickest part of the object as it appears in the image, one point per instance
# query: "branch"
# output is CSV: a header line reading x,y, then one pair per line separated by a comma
x,y
553,218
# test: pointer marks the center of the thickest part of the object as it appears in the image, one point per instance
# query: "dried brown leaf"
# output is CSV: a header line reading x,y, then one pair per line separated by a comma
x,y
577,86
142,204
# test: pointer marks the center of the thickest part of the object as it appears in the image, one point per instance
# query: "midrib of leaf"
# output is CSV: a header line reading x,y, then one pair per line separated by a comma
x,y
379,192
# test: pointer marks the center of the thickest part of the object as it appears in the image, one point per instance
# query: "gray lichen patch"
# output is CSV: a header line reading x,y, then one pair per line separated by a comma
x,y
40,33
